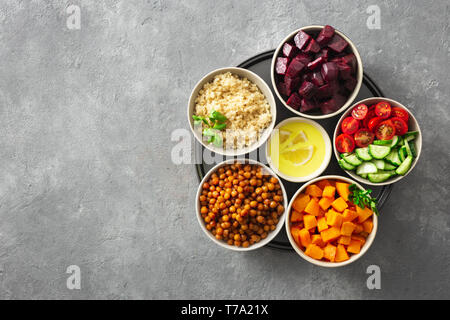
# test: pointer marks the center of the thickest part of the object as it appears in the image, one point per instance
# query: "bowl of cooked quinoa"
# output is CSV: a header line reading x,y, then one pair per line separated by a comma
x,y
231,111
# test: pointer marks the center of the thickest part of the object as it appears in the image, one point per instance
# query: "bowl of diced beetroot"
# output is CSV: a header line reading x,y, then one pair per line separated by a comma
x,y
316,72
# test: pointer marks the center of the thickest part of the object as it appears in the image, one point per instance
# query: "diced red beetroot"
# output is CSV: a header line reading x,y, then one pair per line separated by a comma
x,y
339,101
294,68
306,76
294,101
317,79
316,63
312,47
324,91
307,89
325,35
289,50
307,105
350,60
337,43
291,84
281,65
303,58
350,84
325,52
281,86
329,71
327,106
301,39
344,70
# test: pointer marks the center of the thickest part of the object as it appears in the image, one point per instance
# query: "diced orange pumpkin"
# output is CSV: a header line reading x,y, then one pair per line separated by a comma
x,y
360,239
295,232
364,234
300,202
321,212
334,219
329,192
310,221
344,240
363,214
312,207
330,234
322,224
314,191
358,229
329,252
341,254
296,216
368,225
339,204
325,203
349,215
347,228
314,251
323,183
354,246
317,239
343,189
305,237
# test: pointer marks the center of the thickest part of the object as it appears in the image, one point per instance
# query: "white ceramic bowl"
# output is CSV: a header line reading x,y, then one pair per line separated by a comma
x,y
252,77
359,73
221,243
326,160
413,125
328,264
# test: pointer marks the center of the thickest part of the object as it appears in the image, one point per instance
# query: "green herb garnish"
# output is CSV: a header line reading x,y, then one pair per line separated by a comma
x,y
216,123
362,198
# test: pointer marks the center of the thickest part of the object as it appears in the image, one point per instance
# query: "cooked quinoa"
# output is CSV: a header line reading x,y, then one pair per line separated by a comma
x,y
241,101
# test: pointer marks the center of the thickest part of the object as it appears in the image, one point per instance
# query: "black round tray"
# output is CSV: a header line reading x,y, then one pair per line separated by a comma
x,y
260,64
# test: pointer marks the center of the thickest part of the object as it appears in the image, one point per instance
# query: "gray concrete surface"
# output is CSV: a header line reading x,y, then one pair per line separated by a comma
x,y
86,177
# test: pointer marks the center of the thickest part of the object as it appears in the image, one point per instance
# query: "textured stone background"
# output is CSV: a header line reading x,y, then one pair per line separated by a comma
x,y
86,178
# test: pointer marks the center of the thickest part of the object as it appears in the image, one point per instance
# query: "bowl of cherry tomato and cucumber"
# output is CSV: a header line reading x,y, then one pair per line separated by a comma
x,y
377,141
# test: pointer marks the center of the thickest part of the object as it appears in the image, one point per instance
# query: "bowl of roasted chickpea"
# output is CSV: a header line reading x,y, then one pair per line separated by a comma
x,y
241,204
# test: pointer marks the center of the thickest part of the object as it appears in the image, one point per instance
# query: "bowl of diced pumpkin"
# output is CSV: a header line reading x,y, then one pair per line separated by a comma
x,y
325,226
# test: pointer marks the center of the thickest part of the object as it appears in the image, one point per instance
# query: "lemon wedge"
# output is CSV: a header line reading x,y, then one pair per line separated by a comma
x,y
299,156
284,135
294,140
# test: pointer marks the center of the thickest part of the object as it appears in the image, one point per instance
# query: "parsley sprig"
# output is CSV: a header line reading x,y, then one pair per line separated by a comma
x,y
215,123
362,198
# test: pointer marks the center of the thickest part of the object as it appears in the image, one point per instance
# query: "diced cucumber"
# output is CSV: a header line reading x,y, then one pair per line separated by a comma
x,y
379,152
395,141
379,177
413,150
383,142
352,159
363,176
411,134
402,153
404,166
345,154
388,166
408,149
410,138
366,168
345,165
393,158
380,164
363,153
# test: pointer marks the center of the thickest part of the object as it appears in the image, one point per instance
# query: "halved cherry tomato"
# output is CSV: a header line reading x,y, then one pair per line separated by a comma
x,y
400,113
345,143
349,125
373,123
400,126
383,109
360,112
370,115
385,130
363,137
